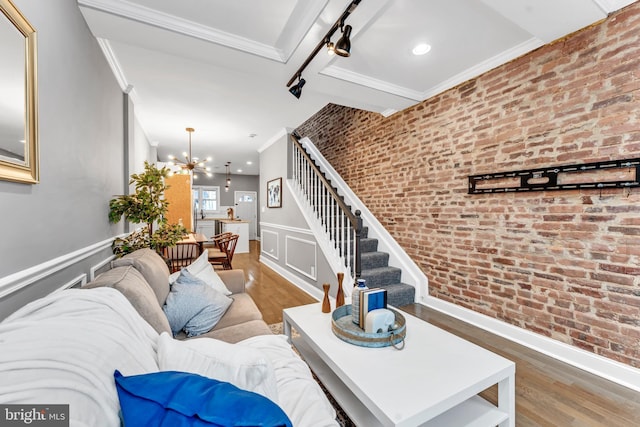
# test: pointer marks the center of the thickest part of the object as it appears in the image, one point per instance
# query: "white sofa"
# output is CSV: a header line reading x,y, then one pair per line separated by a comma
x,y
64,349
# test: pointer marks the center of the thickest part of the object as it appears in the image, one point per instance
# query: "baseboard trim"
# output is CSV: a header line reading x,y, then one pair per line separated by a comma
x,y
16,281
297,281
611,370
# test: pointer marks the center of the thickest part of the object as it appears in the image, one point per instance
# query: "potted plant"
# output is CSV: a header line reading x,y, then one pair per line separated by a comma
x,y
146,206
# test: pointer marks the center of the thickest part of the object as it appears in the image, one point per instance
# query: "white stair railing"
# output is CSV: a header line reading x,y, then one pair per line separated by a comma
x,y
341,227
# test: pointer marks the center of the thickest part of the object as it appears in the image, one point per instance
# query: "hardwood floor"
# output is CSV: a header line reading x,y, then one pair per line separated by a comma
x,y
268,289
548,392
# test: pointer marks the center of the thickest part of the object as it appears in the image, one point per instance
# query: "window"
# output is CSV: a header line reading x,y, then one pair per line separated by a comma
x,y
206,200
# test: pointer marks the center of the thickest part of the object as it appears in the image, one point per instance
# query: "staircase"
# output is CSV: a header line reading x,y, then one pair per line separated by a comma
x,y
348,237
378,274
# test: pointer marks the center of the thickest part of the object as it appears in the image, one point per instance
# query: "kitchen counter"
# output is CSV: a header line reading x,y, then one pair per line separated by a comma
x,y
225,220
241,228
207,226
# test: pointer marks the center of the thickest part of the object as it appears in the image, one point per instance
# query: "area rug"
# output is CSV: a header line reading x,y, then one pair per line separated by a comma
x,y
341,417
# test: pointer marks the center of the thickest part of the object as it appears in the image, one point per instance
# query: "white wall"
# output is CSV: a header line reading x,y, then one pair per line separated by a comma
x,y
288,245
81,126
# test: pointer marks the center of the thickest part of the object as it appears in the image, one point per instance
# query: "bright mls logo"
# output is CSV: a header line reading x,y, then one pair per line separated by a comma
x,y
34,415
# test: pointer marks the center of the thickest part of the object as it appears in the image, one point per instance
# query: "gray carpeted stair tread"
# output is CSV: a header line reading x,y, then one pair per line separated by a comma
x,y
399,294
374,260
381,276
368,245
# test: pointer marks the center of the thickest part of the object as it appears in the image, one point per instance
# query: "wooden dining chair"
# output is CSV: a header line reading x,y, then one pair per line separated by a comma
x,y
181,255
224,258
213,246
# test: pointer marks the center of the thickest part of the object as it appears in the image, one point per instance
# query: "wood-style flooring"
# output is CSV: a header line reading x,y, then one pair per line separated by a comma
x,y
548,392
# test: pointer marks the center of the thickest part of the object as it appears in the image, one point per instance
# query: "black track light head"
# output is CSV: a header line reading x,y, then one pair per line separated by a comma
x,y
343,46
296,90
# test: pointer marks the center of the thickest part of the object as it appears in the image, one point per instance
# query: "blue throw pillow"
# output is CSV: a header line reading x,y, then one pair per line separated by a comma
x,y
194,306
177,399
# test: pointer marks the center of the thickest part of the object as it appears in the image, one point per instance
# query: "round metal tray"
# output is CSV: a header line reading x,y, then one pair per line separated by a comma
x,y
344,328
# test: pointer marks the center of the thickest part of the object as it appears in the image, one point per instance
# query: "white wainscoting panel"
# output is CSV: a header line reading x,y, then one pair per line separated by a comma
x,y
269,243
293,278
301,256
94,271
21,279
79,281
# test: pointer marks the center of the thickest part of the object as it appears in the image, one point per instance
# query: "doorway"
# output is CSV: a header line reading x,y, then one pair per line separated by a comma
x,y
247,209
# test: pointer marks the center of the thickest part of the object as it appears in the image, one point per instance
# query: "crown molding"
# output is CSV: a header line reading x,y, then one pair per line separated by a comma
x,y
483,67
610,6
178,25
114,64
275,138
361,79
116,69
470,73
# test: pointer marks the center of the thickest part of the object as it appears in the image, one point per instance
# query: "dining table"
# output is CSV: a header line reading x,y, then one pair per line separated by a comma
x,y
198,238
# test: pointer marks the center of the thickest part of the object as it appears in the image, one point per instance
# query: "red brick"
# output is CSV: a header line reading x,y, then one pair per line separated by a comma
x,y
562,264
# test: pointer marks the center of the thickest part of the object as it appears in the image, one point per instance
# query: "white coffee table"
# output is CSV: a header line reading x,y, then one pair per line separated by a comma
x,y
433,381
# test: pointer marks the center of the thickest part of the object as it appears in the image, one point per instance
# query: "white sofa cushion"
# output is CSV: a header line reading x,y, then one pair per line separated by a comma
x,y
64,348
301,398
203,270
246,368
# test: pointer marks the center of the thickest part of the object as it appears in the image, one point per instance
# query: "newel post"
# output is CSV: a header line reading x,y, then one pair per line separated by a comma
x,y
358,258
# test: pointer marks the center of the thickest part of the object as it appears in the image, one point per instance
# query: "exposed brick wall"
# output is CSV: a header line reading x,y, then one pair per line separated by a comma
x,y
564,264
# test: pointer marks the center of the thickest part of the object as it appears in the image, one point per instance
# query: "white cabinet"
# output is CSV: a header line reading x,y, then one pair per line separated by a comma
x,y
241,228
206,227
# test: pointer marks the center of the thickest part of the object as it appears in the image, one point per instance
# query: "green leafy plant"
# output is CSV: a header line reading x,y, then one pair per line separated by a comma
x,y
146,206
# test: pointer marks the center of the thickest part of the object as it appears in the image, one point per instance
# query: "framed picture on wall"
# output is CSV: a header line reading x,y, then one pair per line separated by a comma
x,y
274,193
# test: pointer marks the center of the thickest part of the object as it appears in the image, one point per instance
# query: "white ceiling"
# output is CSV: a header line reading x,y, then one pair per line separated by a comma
x,y
222,66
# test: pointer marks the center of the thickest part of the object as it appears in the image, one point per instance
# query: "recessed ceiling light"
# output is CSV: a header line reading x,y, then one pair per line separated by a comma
x,y
421,49
239,170
249,162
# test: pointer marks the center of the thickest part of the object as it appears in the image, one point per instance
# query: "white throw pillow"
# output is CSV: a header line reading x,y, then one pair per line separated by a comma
x,y
246,368
203,270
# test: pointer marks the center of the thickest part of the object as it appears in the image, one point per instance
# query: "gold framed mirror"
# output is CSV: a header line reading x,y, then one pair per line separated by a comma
x,y
19,153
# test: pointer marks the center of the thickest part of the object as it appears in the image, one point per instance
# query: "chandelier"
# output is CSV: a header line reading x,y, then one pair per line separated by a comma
x,y
191,164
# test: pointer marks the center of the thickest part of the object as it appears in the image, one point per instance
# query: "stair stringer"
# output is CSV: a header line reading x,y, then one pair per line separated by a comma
x,y
335,260
411,273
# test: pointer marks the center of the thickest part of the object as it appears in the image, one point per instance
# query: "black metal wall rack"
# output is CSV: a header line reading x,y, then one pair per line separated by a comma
x,y
599,175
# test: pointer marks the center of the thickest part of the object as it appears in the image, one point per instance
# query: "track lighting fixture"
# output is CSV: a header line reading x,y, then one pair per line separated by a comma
x,y
296,90
344,43
343,46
